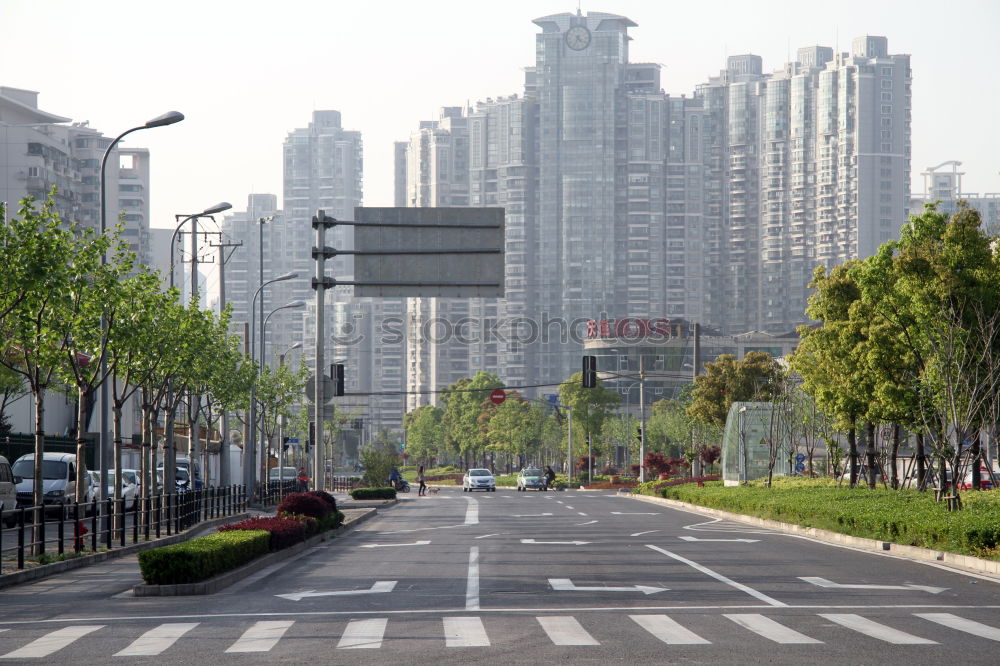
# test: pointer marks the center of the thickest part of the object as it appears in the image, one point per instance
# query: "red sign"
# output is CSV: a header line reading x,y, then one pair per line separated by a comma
x,y
632,328
498,396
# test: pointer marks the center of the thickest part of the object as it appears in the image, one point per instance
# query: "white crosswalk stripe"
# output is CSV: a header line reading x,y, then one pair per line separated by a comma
x,y
565,630
875,630
156,640
52,642
361,634
261,637
960,623
668,630
771,630
465,632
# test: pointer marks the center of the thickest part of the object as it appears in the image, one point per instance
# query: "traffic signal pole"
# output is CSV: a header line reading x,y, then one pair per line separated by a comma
x,y
320,283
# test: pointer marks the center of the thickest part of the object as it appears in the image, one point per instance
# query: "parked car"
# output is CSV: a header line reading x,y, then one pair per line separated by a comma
x,y
478,479
531,477
130,487
95,485
182,479
8,492
279,474
58,479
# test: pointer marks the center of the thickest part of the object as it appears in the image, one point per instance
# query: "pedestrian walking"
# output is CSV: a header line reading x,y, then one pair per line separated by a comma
x,y
423,486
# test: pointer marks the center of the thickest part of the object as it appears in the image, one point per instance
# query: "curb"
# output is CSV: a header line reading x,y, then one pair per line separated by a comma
x,y
367,504
966,562
46,570
223,580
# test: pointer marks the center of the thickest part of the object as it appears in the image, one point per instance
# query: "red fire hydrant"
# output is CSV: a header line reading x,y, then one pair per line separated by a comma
x,y
79,529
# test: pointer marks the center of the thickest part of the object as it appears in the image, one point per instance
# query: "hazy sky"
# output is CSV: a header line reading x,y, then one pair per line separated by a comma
x,y
247,72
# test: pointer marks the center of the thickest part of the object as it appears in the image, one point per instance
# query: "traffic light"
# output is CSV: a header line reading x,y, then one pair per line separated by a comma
x,y
284,444
638,433
589,371
337,370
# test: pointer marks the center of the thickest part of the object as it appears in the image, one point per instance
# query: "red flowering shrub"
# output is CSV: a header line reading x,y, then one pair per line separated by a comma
x,y
285,532
330,500
677,482
609,471
306,504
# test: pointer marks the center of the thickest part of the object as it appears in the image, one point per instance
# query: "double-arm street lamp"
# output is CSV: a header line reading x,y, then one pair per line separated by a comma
x,y
249,453
208,212
263,362
168,118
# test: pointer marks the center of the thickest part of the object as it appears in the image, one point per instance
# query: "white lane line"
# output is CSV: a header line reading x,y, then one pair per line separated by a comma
x,y
875,630
705,570
472,512
52,642
560,501
769,629
472,586
646,532
570,508
394,545
668,630
961,624
565,630
581,513
363,634
156,640
589,522
465,632
486,535
261,637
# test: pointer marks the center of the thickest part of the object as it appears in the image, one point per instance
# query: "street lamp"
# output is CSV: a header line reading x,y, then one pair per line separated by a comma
x,y
281,418
249,462
168,118
281,356
208,212
263,332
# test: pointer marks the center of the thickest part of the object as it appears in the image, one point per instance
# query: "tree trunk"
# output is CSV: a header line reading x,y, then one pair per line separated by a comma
x,y
38,489
975,450
894,456
116,411
852,444
81,445
921,463
870,454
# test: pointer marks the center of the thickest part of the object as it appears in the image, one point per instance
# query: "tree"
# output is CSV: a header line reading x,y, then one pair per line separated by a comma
x,y
463,403
591,406
727,380
515,428
38,321
425,433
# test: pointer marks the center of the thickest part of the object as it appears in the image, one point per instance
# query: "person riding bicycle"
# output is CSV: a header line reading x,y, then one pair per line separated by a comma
x,y
550,477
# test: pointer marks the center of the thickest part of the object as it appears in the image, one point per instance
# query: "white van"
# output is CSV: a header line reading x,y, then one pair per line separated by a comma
x,y
8,492
58,479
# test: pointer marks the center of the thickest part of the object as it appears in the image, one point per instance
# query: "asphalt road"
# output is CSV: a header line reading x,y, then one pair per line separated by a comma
x,y
512,577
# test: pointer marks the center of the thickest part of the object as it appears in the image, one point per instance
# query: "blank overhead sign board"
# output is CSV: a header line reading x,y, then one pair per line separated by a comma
x,y
447,252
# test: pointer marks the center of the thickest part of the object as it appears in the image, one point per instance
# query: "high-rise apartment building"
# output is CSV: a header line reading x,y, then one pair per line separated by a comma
x,y
944,188
625,202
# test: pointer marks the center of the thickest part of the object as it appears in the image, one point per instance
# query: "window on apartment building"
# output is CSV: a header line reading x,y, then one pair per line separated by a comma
x,y
886,147
886,96
886,84
886,108
886,71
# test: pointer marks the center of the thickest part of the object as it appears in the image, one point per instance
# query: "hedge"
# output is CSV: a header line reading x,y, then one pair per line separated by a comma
x,y
904,516
373,493
305,505
201,558
283,531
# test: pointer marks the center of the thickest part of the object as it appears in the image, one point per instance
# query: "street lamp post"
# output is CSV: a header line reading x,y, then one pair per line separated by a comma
x,y
169,461
281,417
168,118
249,453
263,362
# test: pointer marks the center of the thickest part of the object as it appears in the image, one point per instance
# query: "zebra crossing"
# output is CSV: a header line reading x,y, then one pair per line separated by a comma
x,y
471,632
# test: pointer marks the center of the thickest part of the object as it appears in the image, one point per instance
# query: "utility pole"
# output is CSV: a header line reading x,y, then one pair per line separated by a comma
x,y
642,420
320,283
224,472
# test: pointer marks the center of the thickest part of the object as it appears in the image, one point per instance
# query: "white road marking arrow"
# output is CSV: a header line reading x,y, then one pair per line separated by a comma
x,y
530,515
394,545
565,584
624,513
823,582
690,538
376,588
575,543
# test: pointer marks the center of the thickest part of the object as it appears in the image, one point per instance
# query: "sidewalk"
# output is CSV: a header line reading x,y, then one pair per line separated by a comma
x,y
81,575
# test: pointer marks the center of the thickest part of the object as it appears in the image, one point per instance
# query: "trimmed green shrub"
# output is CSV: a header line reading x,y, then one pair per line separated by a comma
x,y
373,493
905,517
331,521
202,558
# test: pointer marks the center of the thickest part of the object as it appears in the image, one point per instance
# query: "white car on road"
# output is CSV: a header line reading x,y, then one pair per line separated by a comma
x,y
479,479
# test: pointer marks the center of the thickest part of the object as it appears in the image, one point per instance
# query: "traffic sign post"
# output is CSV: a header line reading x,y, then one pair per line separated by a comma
x,y
497,396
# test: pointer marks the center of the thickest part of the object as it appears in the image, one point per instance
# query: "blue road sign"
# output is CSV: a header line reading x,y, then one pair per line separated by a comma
x,y
801,457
